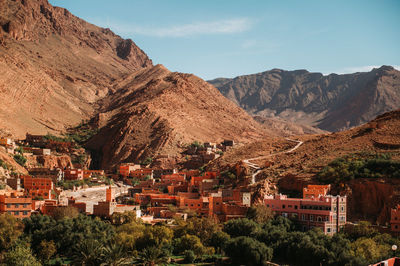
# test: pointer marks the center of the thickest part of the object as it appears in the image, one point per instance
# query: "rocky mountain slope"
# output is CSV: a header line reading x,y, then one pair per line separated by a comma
x,y
155,111
55,66
333,102
368,198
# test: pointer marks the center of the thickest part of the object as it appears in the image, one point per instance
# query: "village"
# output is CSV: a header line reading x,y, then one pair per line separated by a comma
x,y
156,195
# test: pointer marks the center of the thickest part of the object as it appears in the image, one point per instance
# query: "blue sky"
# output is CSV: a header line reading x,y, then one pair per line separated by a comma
x,y
227,38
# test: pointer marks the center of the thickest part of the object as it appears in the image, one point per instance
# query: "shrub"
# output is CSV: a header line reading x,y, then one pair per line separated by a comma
x,y
20,159
189,256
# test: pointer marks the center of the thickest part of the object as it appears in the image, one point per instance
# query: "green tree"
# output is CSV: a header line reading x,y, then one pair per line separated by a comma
x,y
47,249
153,256
189,256
115,255
20,255
241,227
10,230
219,240
248,251
260,213
88,252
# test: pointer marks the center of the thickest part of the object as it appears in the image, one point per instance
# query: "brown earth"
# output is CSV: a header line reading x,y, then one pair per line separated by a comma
x,y
333,102
49,161
55,66
5,157
369,199
154,111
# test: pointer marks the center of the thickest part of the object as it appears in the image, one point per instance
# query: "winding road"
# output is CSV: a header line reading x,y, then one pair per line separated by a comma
x,y
258,169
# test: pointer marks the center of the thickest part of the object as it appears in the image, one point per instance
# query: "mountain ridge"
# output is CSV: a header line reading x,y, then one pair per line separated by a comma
x,y
331,102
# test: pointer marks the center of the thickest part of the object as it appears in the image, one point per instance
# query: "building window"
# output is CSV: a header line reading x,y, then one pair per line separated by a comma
x,y
289,206
16,213
328,230
295,207
16,205
395,226
267,205
303,217
334,209
283,206
25,213
311,217
319,219
395,218
25,205
342,208
342,218
8,205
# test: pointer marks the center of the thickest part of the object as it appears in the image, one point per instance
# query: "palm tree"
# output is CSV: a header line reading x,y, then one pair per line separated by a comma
x,y
153,256
115,255
87,252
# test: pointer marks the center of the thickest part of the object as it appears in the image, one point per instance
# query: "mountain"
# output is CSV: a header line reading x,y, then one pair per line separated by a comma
x,y
55,67
333,102
154,111
58,70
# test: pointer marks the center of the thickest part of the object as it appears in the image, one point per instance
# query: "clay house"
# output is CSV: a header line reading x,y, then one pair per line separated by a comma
x,y
109,206
142,174
126,168
157,173
14,183
395,219
178,177
326,212
92,173
54,174
73,174
15,204
35,140
8,144
39,187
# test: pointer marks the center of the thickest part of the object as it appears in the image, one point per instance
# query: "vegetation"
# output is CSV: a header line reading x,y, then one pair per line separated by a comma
x,y
20,159
147,161
76,239
360,166
228,175
3,165
69,184
196,144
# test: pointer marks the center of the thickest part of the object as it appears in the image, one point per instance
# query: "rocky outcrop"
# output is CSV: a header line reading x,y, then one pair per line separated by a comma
x,y
155,111
55,66
332,102
49,161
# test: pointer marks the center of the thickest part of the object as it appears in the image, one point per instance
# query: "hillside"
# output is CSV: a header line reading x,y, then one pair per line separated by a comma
x,y
55,66
369,198
333,102
155,111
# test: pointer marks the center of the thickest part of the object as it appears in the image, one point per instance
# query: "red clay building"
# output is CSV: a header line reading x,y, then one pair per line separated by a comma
x,y
325,212
142,174
125,169
39,187
395,219
73,174
178,177
19,207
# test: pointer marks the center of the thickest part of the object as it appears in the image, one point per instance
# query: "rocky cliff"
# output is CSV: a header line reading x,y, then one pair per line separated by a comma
x,y
332,102
55,67
155,111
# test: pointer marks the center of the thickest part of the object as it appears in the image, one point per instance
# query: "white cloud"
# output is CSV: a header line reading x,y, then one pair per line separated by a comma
x,y
228,26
